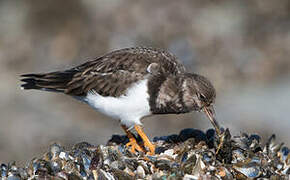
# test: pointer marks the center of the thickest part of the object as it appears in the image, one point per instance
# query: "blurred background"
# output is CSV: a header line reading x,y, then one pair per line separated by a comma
x,y
243,47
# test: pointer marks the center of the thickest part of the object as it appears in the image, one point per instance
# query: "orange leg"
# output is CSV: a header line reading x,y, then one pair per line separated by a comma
x,y
132,141
145,139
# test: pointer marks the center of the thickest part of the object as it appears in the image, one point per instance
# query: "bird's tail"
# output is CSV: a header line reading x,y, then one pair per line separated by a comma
x,y
54,81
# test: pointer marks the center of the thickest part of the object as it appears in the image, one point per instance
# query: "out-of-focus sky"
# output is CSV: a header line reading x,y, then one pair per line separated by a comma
x,y
242,46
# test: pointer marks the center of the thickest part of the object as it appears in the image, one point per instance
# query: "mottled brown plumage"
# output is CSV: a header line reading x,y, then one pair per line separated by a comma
x,y
108,75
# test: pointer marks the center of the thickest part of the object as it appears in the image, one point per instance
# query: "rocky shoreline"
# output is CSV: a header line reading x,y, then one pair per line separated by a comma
x,y
191,154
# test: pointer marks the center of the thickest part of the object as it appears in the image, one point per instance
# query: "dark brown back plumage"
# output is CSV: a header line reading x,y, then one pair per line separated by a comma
x,y
108,75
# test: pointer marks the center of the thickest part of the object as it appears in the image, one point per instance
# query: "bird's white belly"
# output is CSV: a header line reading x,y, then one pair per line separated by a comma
x,y
128,108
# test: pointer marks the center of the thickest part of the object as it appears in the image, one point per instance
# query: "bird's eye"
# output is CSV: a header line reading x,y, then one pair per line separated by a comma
x,y
201,97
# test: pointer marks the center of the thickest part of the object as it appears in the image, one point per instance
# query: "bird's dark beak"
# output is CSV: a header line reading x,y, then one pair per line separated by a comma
x,y
209,111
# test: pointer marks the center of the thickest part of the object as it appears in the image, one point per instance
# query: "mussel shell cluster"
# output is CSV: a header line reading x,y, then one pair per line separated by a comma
x,y
191,154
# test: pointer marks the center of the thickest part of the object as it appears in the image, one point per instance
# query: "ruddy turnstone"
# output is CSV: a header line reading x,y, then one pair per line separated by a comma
x,y
130,84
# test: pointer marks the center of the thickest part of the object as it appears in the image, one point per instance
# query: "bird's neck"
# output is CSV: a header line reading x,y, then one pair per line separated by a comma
x,y
166,95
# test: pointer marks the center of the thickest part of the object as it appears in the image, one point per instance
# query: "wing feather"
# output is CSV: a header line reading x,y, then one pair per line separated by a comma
x,y
113,73
108,75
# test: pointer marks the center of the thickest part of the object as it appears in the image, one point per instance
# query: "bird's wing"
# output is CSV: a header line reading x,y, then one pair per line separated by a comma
x,y
134,60
113,73
105,84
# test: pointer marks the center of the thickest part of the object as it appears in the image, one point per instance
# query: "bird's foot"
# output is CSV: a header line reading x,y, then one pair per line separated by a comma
x,y
134,146
152,149
132,141
146,140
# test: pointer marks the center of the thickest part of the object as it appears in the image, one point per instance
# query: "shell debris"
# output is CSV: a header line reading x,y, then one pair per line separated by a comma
x,y
191,154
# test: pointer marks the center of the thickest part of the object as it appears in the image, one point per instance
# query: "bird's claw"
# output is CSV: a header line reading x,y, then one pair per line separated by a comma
x,y
134,146
151,149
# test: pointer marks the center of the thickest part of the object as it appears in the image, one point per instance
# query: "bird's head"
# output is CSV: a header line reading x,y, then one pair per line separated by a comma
x,y
198,92
199,95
